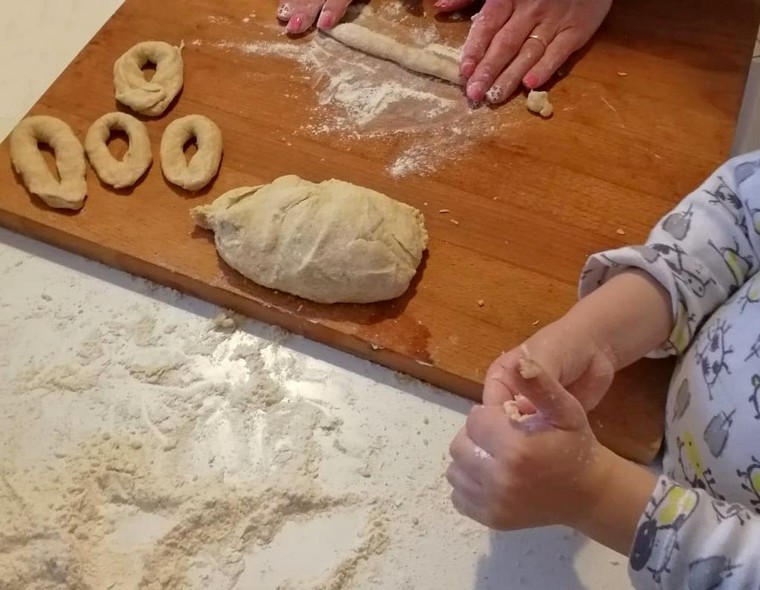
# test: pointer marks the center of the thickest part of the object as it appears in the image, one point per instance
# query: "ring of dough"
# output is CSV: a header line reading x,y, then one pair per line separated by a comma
x,y
152,97
27,160
136,161
204,164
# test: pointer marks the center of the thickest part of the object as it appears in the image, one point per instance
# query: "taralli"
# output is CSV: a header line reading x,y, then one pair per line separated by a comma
x,y
136,161
152,97
204,164
71,190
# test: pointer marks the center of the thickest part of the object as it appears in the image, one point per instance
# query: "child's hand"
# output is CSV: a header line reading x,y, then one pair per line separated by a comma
x,y
301,14
569,353
511,472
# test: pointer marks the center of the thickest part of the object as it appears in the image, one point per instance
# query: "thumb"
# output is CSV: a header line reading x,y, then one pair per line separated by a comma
x,y
557,405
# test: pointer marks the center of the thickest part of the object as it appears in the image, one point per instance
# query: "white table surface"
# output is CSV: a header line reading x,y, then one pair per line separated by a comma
x,y
52,302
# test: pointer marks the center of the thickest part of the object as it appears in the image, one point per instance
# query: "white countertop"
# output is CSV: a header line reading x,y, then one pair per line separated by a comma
x,y
139,448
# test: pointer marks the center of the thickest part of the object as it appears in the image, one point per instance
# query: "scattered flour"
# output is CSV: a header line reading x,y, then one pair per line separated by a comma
x,y
361,98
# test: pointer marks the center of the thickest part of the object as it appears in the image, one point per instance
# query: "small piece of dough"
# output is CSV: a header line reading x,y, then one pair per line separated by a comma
x,y
204,164
328,242
538,102
152,97
136,161
71,190
433,61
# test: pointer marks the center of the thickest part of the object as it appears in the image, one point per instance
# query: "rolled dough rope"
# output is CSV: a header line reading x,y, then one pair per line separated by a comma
x,y
152,97
538,102
204,164
136,161
425,60
71,190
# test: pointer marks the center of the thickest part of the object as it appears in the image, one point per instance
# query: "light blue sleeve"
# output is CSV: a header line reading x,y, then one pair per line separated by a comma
x,y
701,252
687,540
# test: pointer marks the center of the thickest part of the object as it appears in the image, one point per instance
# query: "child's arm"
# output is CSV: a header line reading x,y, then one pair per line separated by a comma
x,y
701,252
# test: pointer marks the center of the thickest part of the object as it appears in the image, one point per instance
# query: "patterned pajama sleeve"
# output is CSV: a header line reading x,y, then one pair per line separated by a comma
x,y
701,252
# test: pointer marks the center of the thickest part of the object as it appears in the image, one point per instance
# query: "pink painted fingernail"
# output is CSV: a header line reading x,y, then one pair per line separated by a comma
x,y
495,95
531,80
475,91
283,12
294,24
325,20
468,68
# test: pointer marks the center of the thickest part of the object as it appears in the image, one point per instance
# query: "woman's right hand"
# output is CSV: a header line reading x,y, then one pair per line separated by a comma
x,y
568,353
301,14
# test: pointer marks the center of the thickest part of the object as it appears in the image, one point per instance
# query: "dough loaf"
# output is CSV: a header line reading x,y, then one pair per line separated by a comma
x,y
538,102
71,190
435,60
328,242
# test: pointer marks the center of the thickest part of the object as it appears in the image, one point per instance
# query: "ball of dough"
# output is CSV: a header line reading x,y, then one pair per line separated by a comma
x,y
136,161
204,164
150,98
71,190
538,102
328,242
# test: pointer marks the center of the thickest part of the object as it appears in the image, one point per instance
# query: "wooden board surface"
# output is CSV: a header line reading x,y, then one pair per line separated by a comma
x,y
620,152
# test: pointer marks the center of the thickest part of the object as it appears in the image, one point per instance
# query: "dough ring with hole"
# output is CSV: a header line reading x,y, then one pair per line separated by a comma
x,y
152,97
136,161
27,160
204,164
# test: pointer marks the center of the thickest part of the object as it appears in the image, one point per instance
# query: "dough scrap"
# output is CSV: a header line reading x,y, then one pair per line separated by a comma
x,y
136,161
538,102
71,190
152,97
434,60
328,242
204,164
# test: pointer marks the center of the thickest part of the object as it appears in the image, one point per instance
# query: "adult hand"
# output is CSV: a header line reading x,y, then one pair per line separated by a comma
x,y
301,14
513,41
511,472
570,354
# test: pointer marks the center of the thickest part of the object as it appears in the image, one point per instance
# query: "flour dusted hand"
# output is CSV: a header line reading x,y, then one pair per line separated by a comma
x,y
301,14
329,242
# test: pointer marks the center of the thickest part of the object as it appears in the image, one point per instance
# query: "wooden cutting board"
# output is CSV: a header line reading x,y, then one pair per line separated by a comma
x,y
531,203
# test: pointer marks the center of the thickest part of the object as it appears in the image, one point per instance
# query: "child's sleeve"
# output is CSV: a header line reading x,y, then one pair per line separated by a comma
x,y
701,252
688,540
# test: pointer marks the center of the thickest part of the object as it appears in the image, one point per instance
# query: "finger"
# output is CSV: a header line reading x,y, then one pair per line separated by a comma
x,y
489,429
508,81
509,42
484,27
470,458
499,384
332,12
451,5
467,507
554,402
302,16
562,47
284,11
459,480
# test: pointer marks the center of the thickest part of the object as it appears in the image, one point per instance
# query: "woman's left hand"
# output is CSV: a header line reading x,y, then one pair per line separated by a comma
x,y
514,41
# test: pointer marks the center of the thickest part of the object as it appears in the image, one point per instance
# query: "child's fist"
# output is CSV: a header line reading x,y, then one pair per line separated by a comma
x,y
512,470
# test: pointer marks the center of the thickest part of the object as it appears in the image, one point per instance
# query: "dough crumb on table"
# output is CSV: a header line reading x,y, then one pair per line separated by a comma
x,y
538,102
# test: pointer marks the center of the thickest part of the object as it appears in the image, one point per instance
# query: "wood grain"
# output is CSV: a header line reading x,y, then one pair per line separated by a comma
x,y
619,153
